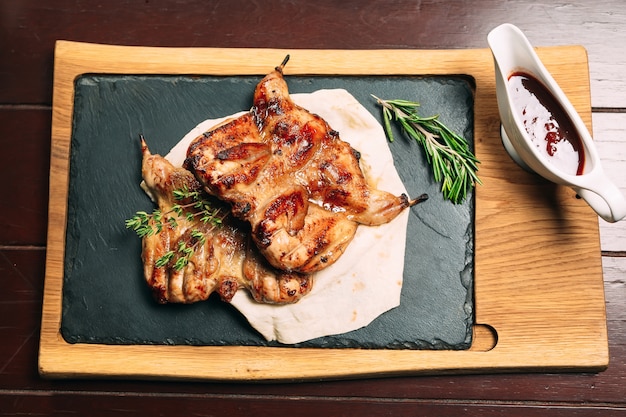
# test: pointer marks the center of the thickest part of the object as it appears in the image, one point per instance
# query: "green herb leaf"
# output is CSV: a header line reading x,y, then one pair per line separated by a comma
x,y
146,225
165,259
452,162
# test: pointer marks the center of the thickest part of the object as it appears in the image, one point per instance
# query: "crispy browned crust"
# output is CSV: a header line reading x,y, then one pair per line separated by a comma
x,y
225,263
287,173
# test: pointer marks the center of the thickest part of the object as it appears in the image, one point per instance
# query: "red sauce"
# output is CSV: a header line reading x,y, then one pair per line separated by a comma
x,y
547,123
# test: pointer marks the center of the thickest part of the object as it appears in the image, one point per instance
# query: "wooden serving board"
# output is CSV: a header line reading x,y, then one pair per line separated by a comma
x,y
538,287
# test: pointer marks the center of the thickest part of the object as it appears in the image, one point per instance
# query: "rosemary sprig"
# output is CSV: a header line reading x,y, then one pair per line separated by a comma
x,y
452,162
145,225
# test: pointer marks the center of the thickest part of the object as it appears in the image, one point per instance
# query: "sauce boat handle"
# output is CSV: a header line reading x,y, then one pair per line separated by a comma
x,y
605,199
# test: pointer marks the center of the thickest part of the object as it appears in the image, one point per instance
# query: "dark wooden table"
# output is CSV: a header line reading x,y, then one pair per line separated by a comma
x,y
28,30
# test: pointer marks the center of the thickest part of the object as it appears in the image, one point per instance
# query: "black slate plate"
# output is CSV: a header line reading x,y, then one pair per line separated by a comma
x,y
105,299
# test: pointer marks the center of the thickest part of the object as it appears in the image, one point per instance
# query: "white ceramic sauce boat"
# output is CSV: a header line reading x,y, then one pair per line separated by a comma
x,y
512,52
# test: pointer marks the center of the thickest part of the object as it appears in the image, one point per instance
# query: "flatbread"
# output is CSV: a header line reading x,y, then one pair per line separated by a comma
x,y
367,280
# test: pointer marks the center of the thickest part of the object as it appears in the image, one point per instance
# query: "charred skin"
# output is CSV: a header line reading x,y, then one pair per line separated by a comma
x,y
288,173
225,263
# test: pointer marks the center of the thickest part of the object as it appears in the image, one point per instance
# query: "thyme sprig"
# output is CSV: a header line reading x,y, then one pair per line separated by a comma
x,y
185,251
148,224
452,162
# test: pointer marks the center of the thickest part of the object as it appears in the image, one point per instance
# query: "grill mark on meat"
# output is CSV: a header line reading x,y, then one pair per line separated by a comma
x,y
243,152
304,152
357,154
227,289
290,206
263,234
241,209
335,174
226,262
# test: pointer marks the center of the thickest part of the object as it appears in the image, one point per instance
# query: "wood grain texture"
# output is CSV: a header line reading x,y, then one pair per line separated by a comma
x,y
608,131
305,407
567,394
28,31
24,168
32,29
552,282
